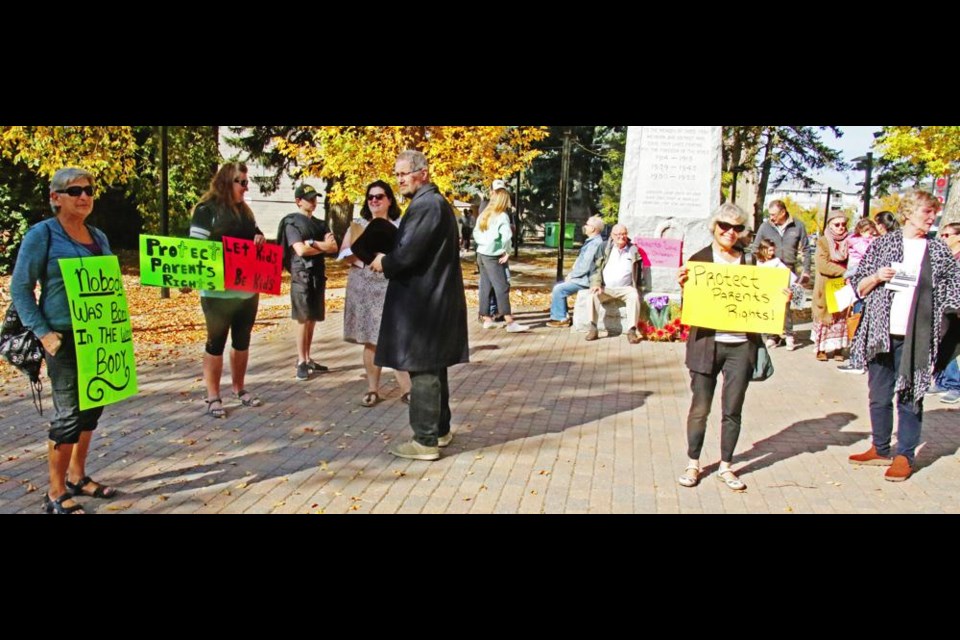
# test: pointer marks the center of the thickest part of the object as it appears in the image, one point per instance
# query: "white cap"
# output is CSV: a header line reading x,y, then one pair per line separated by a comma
x,y
498,184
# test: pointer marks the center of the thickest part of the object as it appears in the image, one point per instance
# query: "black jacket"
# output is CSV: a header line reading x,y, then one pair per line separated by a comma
x,y
701,346
424,326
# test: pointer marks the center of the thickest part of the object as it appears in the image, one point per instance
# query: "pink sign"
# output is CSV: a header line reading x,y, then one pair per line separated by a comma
x,y
247,267
659,252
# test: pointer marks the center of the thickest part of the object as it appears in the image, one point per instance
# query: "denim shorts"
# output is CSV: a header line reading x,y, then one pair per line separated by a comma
x,y
68,420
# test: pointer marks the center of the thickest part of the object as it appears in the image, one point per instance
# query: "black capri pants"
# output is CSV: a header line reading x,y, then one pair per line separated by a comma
x,y
233,315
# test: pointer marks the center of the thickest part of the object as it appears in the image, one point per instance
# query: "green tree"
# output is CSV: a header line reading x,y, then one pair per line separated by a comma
x,y
777,154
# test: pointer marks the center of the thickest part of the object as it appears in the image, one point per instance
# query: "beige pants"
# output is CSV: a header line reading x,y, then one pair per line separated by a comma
x,y
627,294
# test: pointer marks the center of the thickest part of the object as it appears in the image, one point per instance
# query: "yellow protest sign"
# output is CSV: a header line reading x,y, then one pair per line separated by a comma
x,y
833,285
735,297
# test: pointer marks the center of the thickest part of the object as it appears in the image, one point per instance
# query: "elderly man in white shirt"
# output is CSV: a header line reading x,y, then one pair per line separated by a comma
x,y
617,277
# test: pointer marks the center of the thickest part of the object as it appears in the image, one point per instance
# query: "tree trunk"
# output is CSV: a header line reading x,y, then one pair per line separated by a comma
x,y
951,209
764,179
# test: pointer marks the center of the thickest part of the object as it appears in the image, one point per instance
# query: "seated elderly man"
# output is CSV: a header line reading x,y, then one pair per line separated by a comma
x,y
617,277
579,276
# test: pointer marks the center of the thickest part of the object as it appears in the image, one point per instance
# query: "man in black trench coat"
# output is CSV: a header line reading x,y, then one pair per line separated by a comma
x,y
424,326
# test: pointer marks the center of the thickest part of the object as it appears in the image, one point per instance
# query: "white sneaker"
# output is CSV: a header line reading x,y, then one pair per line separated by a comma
x,y
492,324
791,343
516,327
772,343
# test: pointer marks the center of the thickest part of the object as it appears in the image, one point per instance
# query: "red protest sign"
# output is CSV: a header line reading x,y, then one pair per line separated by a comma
x,y
659,252
247,267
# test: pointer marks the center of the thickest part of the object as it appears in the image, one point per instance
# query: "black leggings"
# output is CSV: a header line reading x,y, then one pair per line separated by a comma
x,y
233,315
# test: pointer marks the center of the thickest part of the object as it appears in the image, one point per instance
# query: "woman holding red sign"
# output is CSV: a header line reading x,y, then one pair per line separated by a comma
x,y
222,211
710,352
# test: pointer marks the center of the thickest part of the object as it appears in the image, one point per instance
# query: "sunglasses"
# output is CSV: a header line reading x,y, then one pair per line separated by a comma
x,y
242,183
376,197
74,192
726,226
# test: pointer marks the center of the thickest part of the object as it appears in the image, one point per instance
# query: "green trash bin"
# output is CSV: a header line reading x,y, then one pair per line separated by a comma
x,y
550,235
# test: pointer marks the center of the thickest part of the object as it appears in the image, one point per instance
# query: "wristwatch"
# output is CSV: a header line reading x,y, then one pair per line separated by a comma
x,y
310,242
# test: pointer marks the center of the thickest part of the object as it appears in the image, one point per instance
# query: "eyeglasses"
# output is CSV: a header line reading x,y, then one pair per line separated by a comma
x,y
74,192
838,224
400,175
726,226
376,197
242,183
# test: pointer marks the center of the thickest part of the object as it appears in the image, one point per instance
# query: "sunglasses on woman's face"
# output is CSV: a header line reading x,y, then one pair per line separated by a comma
x,y
74,192
726,226
376,197
242,183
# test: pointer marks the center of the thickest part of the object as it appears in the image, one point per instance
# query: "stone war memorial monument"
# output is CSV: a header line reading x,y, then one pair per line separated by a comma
x,y
671,185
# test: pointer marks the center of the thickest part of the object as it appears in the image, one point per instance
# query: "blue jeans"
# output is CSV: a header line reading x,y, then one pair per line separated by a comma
x,y
558,302
949,378
881,381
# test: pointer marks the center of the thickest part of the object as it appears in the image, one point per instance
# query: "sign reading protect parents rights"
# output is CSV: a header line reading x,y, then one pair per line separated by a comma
x,y
735,297
181,262
101,330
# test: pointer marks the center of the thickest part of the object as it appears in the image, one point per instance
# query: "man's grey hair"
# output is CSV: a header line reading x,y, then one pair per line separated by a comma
x,y
596,222
416,159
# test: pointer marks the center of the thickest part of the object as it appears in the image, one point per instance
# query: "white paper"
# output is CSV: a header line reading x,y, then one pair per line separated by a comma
x,y
844,297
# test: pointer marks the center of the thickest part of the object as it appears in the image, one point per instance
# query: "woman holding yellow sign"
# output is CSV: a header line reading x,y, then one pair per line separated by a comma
x,y
65,236
829,333
710,352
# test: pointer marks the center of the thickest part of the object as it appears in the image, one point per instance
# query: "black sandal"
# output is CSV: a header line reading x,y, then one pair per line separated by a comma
x,y
102,492
247,399
56,506
216,412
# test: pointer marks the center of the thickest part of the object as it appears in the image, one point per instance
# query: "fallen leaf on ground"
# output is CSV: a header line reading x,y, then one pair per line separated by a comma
x,y
118,507
242,485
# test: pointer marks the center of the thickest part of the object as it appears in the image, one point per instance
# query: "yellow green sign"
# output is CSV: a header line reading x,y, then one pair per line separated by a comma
x,y
735,298
102,333
181,262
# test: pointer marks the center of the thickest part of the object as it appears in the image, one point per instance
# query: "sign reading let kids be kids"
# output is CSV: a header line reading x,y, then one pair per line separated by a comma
x,y
735,298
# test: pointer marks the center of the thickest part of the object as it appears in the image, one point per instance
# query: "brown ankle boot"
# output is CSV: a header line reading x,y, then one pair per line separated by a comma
x,y
870,457
899,470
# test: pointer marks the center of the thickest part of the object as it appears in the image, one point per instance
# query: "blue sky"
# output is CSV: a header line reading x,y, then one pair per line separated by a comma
x,y
856,141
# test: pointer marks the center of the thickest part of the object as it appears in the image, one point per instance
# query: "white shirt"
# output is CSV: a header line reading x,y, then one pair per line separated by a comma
x,y
913,252
618,272
724,336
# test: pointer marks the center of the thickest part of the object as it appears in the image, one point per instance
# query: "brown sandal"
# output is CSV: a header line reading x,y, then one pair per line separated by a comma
x,y
369,399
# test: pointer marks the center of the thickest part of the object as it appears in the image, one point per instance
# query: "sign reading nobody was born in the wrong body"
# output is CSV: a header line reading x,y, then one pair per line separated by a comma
x,y
735,297
181,262
102,333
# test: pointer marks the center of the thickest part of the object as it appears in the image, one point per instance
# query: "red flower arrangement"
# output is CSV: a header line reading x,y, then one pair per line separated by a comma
x,y
673,331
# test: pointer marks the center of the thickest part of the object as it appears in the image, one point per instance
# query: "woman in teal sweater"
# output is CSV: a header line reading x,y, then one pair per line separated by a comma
x,y
492,235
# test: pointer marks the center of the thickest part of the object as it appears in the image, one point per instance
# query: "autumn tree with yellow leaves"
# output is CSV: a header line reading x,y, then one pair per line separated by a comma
x,y
921,152
462,159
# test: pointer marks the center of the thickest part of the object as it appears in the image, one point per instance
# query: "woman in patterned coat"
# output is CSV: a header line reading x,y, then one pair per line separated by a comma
x,y
908,283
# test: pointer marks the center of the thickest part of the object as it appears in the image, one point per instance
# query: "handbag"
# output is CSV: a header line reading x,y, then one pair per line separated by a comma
x,y
763,368
21,347
853,321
